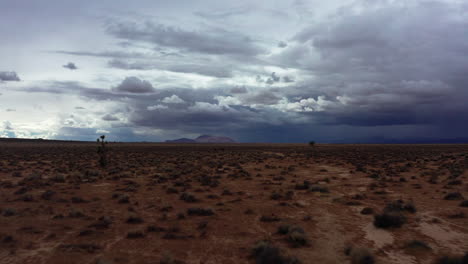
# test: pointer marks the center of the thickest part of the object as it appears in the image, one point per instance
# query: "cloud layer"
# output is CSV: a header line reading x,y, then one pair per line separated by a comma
x,y
9,76
360,71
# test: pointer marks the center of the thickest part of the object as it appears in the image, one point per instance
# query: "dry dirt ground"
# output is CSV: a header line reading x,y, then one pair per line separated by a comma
x,y
244,203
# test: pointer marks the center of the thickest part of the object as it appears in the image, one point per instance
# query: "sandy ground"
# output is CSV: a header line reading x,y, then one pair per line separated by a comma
x,y
57,205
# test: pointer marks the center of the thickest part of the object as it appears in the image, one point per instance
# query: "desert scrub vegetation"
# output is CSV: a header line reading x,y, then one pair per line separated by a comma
x,y
200,211
360,255
453,259
295,235
392,215
416,246
265,253
453,196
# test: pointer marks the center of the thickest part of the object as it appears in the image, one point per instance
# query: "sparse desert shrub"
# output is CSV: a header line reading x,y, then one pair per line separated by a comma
x,y
133,219
27,198
124,199
417,245
76,199
295,235
367,211
360,256
464,203
17,174
59,178
311,143
153,228
167,259
135,234
89,248
389,219
454,196
74,213
172,190
456,215
189,198
200,211
285,229
202,225
21,190
318,188
455,182
249,211
180,216
269,218
265,253
47,195
453,259
7,239
86,232
297,238
102,223
399,206
276,196
304,186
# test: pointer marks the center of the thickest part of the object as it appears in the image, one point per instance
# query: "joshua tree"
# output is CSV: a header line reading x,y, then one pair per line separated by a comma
x,y
102,151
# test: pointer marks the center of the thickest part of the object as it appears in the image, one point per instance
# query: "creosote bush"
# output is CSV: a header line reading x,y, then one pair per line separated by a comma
x,y
360,255
389,219
453,259
265,253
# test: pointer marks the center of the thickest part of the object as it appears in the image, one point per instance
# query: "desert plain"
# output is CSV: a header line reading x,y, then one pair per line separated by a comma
x,y
232,203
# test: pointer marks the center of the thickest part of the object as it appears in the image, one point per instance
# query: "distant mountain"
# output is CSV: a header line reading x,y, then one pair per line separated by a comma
x,y
203,139
181,140
213,139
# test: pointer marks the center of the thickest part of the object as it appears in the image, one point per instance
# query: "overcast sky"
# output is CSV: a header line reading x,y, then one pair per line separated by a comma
x,y
257,71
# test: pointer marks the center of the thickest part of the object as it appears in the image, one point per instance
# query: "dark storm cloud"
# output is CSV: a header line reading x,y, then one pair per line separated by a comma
x,y
7,125
238,90
70,66
201,69
264,97
282,44
287,79
209,41
9,76
134,85
109,117
273,78
410,71
213,15
106,54
87,134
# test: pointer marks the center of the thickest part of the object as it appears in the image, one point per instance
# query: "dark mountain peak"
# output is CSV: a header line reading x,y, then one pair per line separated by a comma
x,y
203,139
203,136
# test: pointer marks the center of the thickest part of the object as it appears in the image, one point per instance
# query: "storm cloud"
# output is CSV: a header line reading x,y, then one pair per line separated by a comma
x,y
70,66
350,72
134,85
9,76
212,41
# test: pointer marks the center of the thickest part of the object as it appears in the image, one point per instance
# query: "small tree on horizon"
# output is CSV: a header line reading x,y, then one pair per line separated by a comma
x,y
102,151
311,143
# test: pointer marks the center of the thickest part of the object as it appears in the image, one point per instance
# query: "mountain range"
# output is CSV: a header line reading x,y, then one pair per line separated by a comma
x,y
203,139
